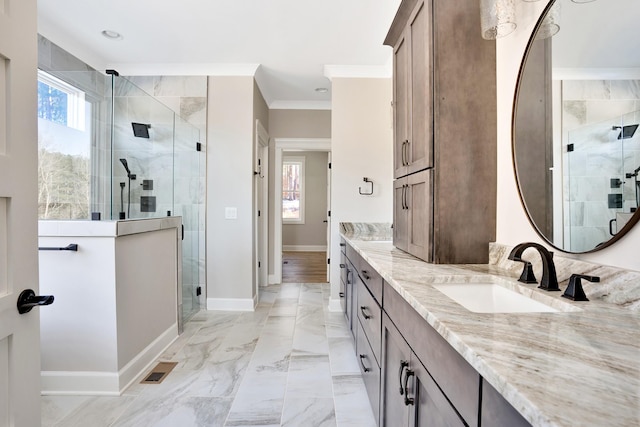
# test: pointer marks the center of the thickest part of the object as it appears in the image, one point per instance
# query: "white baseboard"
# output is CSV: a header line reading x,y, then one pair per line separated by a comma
x,y
147,357
106,383
232,304
334,305
304,248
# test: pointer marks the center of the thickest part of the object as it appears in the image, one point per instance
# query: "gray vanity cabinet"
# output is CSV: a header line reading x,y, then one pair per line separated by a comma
x,y
347,290
496,411
410,396
412,94
413,210
368,319
445,121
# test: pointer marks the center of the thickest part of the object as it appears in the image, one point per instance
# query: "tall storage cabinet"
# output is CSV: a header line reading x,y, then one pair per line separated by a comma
x,y
444,122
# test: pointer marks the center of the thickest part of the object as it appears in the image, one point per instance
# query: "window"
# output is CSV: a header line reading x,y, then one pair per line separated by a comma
x,y
64,150
293,190
59,102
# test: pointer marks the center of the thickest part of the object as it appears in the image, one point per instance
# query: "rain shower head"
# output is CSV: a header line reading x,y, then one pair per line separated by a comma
x,y
140,130
627,131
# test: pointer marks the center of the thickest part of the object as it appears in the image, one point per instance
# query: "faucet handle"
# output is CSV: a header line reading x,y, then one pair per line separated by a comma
x,y
574,290
527,275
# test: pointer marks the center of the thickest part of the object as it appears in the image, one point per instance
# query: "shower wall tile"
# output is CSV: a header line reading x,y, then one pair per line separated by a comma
x,y
574,114
586,89
625,89
183,86
194,109
598,111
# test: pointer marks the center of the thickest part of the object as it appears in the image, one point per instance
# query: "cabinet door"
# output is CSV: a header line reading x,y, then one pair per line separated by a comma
x,y
400,215
420,214
420,96
343,281
350,297
428,407
396,355
496,411
400,107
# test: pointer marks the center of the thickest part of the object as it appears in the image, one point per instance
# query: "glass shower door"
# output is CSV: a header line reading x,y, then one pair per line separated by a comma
x,y
188,196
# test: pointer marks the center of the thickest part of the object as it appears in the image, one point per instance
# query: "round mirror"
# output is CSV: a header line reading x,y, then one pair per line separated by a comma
x,y
576,152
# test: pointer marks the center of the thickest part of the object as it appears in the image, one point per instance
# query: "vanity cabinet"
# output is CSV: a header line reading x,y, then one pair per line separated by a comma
x,y
412,214
496,411
412,94
410,396
347,289
444,121
413,376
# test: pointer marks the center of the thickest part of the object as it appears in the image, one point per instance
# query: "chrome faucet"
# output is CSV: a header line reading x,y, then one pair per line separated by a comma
x,y
549,280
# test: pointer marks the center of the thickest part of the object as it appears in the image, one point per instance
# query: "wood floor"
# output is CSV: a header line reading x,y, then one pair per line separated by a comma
x,y
304,267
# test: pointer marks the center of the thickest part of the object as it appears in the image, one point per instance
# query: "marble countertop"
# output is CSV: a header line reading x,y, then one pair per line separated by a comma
x,y
579,366
107,228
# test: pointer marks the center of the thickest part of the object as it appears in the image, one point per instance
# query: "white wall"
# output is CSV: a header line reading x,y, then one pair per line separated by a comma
x,y
512,225
230,184
361,146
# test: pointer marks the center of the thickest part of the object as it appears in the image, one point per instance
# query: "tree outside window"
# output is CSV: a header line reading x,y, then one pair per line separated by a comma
x,y
64,144
293,190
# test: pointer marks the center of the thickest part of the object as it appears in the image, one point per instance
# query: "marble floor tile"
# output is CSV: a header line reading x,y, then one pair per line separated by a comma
x,y
309,340
99,411
291,362
55,408
186,411
310,412
309,377
342,356
352,403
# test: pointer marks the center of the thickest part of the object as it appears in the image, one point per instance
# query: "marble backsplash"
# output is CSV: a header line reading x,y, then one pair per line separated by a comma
x,y
367,230
616,286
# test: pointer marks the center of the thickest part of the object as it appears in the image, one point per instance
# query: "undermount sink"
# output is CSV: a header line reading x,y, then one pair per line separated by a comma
x,y
492,298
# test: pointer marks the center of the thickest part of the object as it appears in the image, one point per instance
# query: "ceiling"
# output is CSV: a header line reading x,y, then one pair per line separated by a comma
x,y
292,46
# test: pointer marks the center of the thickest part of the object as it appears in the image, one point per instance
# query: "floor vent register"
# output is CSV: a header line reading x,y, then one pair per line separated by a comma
x,y
159,373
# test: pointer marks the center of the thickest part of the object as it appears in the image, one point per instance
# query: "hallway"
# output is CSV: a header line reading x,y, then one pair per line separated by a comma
x,y
289,363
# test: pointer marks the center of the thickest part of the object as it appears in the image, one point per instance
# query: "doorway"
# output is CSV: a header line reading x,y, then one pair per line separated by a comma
x,y
261,211
284,148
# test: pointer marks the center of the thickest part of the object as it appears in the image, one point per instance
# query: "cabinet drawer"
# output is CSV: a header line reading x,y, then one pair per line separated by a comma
x,y
370,316
343,267
354,257
372,279
370,371
458,380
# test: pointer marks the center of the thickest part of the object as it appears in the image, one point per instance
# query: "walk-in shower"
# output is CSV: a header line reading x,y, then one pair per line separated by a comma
x,y
600,185
157,164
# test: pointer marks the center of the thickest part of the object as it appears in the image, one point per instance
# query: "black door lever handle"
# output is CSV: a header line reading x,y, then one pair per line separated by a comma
x,y
28,299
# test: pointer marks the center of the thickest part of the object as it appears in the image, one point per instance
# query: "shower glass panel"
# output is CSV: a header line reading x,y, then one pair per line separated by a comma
x,y
600,180
188,197
107,146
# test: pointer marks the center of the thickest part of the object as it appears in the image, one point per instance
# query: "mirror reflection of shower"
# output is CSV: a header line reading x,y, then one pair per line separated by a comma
x,y
130,176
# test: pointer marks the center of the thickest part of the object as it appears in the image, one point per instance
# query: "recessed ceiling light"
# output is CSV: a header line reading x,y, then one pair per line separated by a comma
x,y
322,90
112,35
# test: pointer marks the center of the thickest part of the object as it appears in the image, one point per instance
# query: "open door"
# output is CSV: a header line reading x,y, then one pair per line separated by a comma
x,y
19,333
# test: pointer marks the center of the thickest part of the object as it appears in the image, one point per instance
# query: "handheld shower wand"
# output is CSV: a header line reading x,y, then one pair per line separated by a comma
x,y
130,176
122,184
